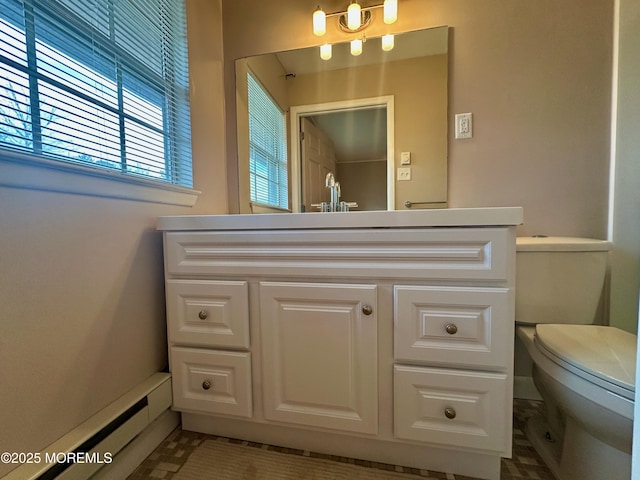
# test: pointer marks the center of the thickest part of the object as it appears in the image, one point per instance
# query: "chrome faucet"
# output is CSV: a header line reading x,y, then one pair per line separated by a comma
x,y
334,187
334,205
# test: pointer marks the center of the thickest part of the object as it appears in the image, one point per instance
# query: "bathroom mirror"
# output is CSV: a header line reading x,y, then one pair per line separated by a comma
x,y
368,109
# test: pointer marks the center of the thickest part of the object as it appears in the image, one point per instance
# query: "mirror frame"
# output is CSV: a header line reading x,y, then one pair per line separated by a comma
x,y
297,112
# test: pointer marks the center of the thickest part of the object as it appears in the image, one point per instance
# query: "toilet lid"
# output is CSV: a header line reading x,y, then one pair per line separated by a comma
x,y
607,353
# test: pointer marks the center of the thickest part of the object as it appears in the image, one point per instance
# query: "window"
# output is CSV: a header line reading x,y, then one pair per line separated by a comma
x,y
99,83
267,148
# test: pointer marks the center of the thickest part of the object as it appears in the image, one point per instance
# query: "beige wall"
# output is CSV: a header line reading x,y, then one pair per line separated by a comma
x,y
536,76
81,286
364,183
208,121
81,309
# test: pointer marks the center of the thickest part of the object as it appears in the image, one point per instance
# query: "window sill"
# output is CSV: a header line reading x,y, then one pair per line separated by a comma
x,y
32,173
263,208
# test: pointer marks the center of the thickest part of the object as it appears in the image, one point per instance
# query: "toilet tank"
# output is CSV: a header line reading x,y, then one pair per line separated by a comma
x,y
559,279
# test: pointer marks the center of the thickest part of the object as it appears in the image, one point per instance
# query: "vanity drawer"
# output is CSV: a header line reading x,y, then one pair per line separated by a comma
x,y
452,407
208,313
211,381
441,254
456,326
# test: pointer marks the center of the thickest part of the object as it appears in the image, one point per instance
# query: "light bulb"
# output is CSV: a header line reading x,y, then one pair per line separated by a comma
x,y
387,42
356,47
319,22
390,11
325,51
353,16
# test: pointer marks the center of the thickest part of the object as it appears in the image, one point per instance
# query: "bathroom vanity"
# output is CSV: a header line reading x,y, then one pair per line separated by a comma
x,y
385,336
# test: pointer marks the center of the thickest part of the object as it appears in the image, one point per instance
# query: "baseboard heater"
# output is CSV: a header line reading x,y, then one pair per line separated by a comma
x,y
96,442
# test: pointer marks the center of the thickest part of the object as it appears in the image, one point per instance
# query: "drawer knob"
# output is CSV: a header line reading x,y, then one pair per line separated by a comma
x,y
451,328
367,310
206,385
202,315
449,413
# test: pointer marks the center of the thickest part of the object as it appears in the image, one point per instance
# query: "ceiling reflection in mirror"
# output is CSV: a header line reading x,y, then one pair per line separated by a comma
x,y
362,144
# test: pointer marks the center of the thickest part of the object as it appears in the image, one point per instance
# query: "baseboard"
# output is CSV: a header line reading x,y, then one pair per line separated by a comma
x,y
129,458
524,388
137,422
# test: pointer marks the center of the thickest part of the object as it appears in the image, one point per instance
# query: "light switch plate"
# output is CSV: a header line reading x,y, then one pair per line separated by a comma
x,y
405,158
404,173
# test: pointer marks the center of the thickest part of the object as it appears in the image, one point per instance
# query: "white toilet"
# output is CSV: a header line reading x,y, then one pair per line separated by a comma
x,y
584,372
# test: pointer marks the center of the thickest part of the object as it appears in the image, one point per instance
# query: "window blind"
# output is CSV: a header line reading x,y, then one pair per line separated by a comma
x,y
267,148
101,83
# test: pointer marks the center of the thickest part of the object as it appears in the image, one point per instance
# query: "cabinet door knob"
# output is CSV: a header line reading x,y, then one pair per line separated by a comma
x,y
449,413
367,310
206,385
451,328
202,315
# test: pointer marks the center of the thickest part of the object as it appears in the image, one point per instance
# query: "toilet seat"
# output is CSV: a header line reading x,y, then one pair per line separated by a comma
x,y
602,355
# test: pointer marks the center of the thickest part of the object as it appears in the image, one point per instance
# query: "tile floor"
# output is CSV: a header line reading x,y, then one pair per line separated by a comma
x,y
525,463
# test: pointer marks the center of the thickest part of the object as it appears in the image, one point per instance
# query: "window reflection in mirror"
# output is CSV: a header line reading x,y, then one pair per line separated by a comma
x,y
268,172
414,75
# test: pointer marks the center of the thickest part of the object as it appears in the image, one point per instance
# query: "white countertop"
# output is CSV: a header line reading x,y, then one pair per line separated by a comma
x,y
446,217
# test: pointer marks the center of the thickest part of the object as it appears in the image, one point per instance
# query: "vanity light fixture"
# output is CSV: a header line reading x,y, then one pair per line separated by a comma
x,y
354,16
390,11
325,51
319,22
387,42
355,19
356,47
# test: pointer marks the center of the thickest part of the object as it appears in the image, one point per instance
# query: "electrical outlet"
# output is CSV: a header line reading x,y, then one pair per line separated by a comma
x,y
404,173
464,125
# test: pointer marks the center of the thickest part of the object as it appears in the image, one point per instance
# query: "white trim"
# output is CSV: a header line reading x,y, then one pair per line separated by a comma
x,y
23,171
614,121
257,207
304,110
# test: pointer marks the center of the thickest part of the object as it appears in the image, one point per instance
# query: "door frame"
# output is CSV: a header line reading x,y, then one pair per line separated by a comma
x,y
296,112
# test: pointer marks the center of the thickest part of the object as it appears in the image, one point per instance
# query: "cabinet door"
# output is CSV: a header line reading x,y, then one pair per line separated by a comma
x,y
319,349
208,313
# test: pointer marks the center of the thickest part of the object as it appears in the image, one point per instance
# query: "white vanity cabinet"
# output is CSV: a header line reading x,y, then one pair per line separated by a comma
x,y
385,336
